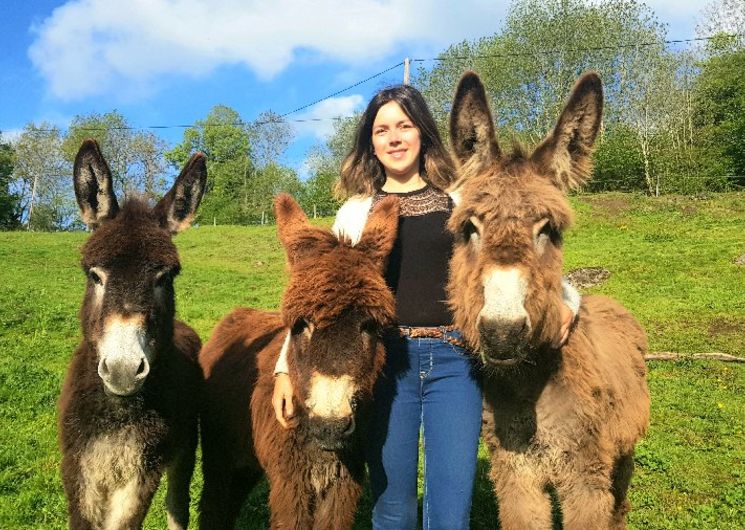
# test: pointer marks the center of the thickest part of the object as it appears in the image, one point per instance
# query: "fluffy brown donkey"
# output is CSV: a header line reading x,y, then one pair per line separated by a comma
x,y
128,408
335,305
565,419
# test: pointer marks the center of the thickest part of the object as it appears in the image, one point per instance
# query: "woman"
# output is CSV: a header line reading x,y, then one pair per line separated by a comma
x,y
428,383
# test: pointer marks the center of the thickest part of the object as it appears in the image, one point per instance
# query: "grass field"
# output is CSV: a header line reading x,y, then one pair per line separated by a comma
x,y
672,263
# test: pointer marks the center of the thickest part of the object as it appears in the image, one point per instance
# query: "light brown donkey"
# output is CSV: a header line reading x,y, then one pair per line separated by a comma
x,y
565,419
335,305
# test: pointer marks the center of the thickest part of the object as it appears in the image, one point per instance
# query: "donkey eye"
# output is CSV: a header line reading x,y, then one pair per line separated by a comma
x,y
544,232
468,229
299,326
95,277
163,278
370,327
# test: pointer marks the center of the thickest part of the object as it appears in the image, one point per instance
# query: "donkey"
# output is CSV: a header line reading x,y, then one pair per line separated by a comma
x,y
556,420
128,408
335,306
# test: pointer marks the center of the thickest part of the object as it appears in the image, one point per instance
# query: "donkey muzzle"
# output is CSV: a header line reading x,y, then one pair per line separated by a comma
x,y
123,375
503,340
331,433
123,352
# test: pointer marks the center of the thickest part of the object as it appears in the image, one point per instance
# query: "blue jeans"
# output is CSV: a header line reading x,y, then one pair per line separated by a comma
x,y
432,385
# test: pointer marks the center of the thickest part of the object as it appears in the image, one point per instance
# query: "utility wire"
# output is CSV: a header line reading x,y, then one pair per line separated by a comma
x,y
242,123
343,90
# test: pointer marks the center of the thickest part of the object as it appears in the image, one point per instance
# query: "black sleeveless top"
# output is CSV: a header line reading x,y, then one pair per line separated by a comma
x,y
418,265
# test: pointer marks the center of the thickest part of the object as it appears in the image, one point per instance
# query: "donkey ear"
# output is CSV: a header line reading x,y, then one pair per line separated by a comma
x,y
471,126
177,208
290,218
380,230
566,154
93,186
296,234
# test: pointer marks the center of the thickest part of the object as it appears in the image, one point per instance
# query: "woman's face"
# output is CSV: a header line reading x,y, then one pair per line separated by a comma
x,y
396,141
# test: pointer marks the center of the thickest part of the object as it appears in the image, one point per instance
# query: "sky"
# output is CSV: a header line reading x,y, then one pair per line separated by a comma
x,y
168,62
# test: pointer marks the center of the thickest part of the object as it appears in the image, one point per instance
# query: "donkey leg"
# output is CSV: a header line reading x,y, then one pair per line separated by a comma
x,y
179,473
337,509
622,472
523,502
585,506
223,496
128,505
289,504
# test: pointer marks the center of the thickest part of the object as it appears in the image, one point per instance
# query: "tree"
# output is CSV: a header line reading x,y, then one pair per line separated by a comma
x,y
226,141
720,116
135,158
724,19
42,178
317,197
8,199
266,183
530,66
270,137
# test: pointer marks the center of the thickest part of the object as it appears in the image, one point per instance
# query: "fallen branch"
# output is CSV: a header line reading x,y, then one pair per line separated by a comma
x,y
713,356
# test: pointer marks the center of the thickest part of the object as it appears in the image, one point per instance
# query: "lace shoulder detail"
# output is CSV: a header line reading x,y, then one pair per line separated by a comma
x,y
420,202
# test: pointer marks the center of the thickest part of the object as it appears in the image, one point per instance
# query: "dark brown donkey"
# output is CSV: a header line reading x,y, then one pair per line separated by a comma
x,y
565,419
128,407
335,305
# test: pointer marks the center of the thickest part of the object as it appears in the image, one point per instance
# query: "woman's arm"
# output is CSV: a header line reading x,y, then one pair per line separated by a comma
x,y
283,391
569,311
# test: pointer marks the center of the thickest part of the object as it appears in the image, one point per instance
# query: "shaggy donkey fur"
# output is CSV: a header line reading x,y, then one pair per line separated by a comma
x,y
128,408
335,305
567,418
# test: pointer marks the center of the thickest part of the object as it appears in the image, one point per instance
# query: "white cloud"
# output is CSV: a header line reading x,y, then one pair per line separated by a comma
x,y
89,47
319,120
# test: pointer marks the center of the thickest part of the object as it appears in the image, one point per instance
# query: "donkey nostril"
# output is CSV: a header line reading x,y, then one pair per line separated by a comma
x,y
350,426
103,368
142,370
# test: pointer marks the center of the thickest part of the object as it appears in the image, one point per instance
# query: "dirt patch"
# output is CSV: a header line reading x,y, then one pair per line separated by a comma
x,y
585,277
724,326
609,205
740,260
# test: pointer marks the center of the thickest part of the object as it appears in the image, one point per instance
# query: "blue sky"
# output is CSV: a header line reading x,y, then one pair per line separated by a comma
x,y
168,62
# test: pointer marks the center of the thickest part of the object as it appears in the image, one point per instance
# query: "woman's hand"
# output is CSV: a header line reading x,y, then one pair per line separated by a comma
x,y
567,319
282,399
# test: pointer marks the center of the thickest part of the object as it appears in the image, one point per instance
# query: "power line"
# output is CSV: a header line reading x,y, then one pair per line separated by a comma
x,y
343,90
241,123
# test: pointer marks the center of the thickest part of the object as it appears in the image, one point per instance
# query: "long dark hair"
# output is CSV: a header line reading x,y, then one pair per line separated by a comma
x,y
362,173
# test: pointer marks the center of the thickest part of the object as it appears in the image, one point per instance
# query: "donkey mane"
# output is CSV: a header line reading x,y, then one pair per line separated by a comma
x,y
134,232
328,288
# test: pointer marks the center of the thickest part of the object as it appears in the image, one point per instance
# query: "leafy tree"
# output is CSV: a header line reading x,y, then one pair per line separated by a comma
x,y
42,178
226,141
530,66
267,182
8,199
724,19
318,191
135,158
720,115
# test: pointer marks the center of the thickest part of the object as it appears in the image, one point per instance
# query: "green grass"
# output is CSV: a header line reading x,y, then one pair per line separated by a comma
x,y
671,261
